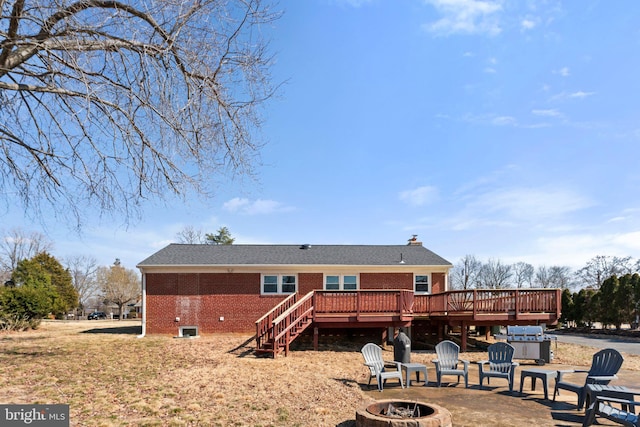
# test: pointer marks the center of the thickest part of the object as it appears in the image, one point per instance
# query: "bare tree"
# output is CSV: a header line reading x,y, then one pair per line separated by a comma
x,y
190,235
495,275
16,245
118,285
601,267
465,273
83,274
522,274
543,277
560,277
107,103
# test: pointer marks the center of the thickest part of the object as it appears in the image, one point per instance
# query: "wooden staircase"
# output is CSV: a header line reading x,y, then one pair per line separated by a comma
x,y
283,324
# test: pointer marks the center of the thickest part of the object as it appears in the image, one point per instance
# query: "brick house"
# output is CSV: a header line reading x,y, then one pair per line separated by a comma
x,y
278,291
206,289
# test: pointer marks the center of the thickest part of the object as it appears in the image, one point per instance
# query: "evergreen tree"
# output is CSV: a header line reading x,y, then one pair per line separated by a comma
x,y
607,311
64,295
568,307
222,238
624,301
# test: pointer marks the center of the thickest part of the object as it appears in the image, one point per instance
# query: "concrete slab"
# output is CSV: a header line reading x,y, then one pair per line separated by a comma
x,y
495,406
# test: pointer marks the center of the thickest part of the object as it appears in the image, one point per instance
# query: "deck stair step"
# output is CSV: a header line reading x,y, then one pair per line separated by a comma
x,y
277,329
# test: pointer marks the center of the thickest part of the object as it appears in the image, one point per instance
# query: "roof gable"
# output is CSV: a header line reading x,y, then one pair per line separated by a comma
x,y
361,255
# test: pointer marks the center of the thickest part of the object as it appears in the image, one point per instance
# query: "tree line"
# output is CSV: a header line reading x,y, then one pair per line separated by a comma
x,y
38,285
607,288
471,273
615,303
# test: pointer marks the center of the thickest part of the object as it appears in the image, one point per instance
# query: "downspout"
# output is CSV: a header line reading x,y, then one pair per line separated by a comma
x,y
144,305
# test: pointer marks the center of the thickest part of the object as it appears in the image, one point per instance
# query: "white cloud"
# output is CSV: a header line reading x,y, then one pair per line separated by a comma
x,y
419,196
257,207
630,240
581,94
564,72
573,95
547,113
530,204
527,24
465,17
487,203
504,121
576,249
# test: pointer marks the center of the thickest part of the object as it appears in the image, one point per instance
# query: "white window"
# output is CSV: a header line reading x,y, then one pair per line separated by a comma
x,y
422,283
340,282
279,284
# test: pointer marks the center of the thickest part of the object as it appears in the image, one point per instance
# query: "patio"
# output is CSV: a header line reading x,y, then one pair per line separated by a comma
x,y
495,406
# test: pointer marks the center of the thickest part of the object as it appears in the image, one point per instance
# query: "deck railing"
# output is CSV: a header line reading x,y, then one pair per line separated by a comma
x,y
276,329
291,322
487,301
264,325
364,302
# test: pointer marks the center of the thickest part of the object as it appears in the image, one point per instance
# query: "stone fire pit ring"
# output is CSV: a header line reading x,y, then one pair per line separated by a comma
x,y
430,415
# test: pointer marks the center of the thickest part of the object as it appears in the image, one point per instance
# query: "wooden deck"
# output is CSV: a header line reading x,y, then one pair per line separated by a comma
x,y
387,308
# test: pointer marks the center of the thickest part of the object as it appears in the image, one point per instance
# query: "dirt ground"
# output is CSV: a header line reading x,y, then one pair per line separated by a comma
x,y
109,377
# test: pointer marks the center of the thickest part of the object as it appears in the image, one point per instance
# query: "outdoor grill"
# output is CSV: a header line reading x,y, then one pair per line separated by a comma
x,y
530,342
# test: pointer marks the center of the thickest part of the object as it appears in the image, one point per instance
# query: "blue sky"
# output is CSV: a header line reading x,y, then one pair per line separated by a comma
x,y
502,129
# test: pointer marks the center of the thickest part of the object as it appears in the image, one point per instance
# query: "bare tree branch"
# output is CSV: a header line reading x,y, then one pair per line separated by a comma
x,y
108,103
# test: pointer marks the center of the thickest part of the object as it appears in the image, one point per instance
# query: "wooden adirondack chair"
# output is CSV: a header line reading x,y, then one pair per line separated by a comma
x,y
372,354
603,407
604,367
447,362
499,365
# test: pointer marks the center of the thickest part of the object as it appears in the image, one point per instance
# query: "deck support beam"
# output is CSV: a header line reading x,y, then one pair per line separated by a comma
x,y
315,338
463,336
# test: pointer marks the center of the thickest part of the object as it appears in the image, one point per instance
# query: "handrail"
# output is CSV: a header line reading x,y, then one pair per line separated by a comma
x,y
298,315
264,328
301,317
284,322
283,302
478,301
292,308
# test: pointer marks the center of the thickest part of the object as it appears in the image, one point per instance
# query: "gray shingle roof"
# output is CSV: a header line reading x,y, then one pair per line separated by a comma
x,y
220,255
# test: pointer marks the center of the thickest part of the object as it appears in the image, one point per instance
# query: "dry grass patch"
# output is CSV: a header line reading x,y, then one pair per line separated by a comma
x,y
113,379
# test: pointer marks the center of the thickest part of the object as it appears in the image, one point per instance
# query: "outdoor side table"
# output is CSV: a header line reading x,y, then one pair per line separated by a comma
x,y
409,368
615,391
535,373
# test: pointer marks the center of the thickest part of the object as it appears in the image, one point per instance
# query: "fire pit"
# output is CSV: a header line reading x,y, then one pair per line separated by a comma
x,y
402,413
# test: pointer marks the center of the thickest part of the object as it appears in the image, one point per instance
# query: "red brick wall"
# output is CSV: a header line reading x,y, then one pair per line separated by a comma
x,y
386,281
437,283
201,299
308,282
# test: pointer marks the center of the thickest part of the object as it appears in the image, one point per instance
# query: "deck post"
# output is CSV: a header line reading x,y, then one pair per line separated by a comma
x,y
315,338
463,336
287,337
